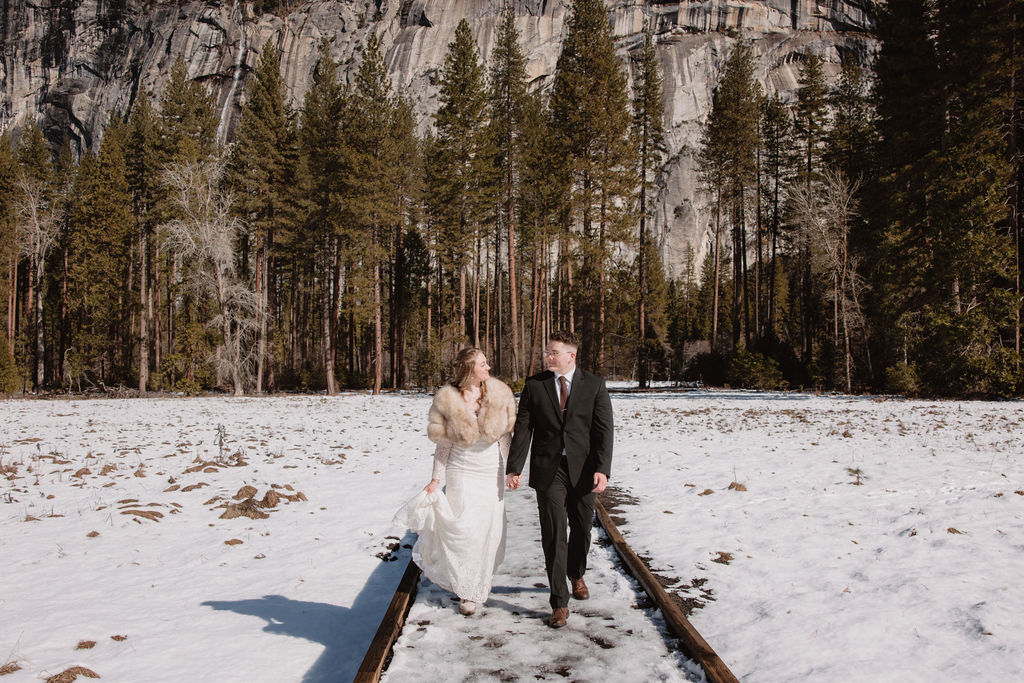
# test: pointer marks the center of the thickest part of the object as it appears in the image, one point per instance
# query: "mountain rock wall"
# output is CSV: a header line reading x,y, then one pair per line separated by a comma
x,y
70,64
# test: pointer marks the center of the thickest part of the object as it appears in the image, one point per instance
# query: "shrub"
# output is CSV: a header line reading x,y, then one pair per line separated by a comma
x,y
753,370
901,379
706,368
10,381
428,366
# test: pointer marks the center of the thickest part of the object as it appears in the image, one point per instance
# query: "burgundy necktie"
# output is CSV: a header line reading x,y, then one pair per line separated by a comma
x,y
563,392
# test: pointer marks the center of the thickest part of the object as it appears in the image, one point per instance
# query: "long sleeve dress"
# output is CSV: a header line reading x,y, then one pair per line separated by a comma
x,y
462,529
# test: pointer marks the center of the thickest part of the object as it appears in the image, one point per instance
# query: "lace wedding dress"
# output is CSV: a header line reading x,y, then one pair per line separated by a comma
x,y
462,530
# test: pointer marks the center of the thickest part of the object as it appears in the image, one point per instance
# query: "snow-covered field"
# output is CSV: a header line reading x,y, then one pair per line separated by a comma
x,y
862,540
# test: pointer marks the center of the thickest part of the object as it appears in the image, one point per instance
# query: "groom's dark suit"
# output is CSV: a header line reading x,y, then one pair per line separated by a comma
x,y
564,483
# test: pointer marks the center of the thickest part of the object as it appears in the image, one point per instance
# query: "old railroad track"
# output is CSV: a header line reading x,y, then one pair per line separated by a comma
x,y
508,640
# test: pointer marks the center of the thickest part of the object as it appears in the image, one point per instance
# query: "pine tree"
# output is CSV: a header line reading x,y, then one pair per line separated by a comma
x,y
8,239
649,134
728,163
1016,154
972,252
140,151
457,186
946,266
371,163
850,139
261,172
809,126
404,243
589,107
320,136
188,120
38,217
100,258
776,164
507,111
544,192
10,382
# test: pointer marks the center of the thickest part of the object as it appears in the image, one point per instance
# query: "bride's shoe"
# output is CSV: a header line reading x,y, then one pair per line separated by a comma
x,y
467,607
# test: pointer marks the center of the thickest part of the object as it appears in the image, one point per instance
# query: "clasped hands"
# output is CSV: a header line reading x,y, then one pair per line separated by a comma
x,y
512,481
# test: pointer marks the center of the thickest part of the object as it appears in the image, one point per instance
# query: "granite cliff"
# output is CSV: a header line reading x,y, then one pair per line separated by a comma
x,y
70,63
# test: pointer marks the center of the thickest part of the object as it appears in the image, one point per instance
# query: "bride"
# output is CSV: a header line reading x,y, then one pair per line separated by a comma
x,y
462,530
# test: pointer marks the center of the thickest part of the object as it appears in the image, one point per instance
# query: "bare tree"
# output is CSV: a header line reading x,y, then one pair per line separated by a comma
x,y
38,219
204,236
823,213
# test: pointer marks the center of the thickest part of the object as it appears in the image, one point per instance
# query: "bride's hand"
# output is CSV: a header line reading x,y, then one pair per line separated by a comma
x,y
432,486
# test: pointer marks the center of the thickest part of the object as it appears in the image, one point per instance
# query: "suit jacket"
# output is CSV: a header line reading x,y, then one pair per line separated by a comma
x,y
586,432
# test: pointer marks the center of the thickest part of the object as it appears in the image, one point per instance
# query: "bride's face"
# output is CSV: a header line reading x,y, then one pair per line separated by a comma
x,y
481,371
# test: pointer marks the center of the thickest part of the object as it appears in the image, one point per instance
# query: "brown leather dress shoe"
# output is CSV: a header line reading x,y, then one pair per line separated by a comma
x,y
579,589
558,617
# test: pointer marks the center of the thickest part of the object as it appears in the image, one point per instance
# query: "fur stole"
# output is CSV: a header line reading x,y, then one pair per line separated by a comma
x,y
451,422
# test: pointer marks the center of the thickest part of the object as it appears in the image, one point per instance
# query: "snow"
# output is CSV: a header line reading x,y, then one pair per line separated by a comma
x,y
910,575
508,638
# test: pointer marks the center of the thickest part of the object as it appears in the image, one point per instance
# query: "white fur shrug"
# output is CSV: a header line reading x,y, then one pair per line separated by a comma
x,y
450,422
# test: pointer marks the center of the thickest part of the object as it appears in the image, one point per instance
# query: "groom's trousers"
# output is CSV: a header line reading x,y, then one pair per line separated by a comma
x,y
566,519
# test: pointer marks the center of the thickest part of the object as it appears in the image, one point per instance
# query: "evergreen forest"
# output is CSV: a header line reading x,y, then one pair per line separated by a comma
x,y
864,238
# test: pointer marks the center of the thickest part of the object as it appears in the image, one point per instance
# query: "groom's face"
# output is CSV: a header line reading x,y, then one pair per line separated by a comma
x,y
560,358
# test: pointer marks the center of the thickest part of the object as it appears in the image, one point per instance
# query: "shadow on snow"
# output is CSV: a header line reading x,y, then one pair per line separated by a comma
x,y
345,632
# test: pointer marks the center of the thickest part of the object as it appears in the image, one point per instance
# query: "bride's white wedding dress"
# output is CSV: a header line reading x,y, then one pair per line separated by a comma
x,y
462,530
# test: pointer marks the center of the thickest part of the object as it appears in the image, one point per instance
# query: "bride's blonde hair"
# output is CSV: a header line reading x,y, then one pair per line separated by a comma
x,y
463,366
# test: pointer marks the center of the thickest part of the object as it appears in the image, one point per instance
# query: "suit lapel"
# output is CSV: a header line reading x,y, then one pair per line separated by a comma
x,y
549,389
577,384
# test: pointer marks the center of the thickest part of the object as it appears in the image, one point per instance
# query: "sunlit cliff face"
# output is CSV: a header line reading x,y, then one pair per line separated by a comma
x,y
72,67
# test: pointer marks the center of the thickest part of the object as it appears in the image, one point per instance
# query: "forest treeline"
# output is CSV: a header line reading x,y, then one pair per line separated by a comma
x,y
865,237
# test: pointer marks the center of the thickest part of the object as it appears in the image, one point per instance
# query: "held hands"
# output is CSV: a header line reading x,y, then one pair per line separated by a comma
x,y
600,482
512,481
432,486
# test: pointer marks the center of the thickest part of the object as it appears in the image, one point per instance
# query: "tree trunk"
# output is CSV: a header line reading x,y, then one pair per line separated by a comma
x,y
327,314
1017,158
350,337
476,295
336,290
398,276
744,270
713,342
12,295
599,359
261,312
40,337
271,308
758,263
499,337
63,315
490,347
29,313
568,300
172,296
513,284
774,254
378,336
462,308
145,311
641,341
535,286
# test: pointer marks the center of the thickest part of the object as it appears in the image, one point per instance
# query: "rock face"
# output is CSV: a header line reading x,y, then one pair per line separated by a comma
x,y
71,63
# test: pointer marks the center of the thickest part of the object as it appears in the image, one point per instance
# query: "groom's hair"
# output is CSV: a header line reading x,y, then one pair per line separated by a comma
x,y
566,337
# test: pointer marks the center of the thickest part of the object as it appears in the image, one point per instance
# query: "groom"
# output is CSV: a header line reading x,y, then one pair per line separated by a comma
x,y
567,413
